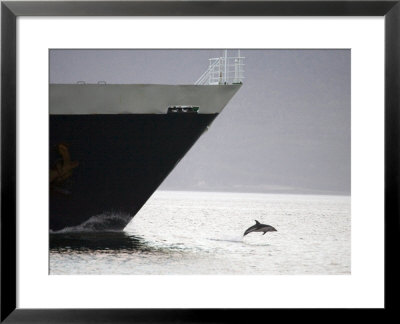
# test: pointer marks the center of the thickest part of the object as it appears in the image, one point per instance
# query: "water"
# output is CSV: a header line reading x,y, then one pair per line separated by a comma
x,y
202,233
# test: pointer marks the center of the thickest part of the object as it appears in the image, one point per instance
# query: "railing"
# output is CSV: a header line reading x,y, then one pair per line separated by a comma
x,y
223,70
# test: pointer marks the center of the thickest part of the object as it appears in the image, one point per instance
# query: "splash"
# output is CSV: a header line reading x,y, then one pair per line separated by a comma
x,y
236,239
99,223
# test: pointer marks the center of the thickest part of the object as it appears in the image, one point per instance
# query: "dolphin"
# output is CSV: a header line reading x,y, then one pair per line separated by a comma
x,y
258,227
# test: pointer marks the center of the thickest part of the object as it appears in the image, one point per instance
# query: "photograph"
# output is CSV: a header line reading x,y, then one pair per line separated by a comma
x,y
187,161
199,161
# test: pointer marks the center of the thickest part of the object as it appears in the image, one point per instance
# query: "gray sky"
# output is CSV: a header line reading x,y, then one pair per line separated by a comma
x,y
286,130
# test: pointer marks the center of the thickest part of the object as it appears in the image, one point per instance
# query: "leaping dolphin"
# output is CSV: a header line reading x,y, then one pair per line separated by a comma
x,y
258,227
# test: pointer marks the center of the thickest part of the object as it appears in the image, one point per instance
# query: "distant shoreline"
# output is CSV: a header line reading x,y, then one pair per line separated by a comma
x,y
310,193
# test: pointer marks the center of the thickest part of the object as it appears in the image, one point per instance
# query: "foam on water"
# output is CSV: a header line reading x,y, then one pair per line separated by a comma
x,y
236,239
99,223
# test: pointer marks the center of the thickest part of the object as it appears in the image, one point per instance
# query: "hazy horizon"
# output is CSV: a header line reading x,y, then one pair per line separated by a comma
x,y
322,193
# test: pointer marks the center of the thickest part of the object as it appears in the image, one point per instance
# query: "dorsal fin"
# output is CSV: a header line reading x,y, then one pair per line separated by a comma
x,y
257,222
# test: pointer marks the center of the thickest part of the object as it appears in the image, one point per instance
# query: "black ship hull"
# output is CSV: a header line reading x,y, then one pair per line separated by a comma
x,y
118,161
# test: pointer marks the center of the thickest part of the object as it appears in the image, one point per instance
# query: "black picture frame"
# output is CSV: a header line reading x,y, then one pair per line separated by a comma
x,y
11,10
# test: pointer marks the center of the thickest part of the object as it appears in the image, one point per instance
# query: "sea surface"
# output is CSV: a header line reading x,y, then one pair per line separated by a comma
x,y
184,233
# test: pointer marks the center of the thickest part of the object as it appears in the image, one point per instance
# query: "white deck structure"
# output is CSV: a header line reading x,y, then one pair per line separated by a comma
x,y
223,70
210,93
84,99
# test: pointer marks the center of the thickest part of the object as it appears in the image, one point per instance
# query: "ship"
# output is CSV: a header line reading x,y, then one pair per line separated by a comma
x,y
112,145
